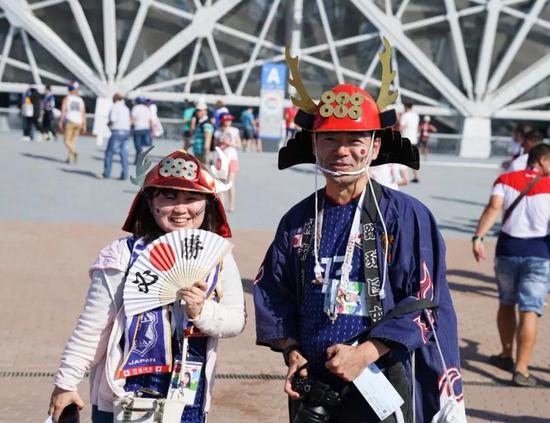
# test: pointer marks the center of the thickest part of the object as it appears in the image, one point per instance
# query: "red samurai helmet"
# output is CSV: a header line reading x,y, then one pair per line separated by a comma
x,y
181,171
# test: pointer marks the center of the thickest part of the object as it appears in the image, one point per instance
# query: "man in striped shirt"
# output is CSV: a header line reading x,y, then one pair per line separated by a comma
x,y
522,262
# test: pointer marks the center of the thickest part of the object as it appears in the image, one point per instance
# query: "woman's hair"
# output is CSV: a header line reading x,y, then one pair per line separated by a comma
x,y
145,225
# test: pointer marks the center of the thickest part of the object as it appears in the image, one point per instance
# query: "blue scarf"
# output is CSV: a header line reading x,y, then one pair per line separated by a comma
x,y
148,335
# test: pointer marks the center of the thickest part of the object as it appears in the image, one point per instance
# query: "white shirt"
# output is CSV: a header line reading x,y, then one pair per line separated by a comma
x,y
387,175
409,126
229,136
74,108
531,217
120,117
142,116
519,163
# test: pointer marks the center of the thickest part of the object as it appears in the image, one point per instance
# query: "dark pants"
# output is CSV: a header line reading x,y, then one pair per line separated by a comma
x,y
30,126
101,416
142,139
47,122
118,144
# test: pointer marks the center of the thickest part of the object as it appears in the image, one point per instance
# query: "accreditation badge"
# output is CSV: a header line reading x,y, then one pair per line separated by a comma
x,y
346,298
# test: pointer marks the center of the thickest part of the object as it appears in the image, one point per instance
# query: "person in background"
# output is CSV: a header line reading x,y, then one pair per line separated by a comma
x,y
119,124
48,104
408,125
203,135
229,141
248,123
425,129
142,122
27,113
522,258
290,114
188,114
72,121
219,110
391,175
530,140
157,129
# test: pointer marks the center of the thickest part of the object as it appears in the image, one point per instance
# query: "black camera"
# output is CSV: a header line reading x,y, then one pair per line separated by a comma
x,y
315,396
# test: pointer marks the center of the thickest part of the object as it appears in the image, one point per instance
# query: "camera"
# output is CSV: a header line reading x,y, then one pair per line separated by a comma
x,y
316,396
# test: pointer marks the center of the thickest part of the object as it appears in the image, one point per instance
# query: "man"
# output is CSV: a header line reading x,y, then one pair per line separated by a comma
x,y
425,129
348,255
72,121
203,135
48,104
530,140
119,124
248,122
408,126
522,258
142,122
188,114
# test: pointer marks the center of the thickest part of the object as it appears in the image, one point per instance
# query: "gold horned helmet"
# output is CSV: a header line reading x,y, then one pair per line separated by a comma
x,y
347,107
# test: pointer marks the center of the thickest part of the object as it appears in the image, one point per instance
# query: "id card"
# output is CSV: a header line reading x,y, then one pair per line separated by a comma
x,y
378,391
349,298
189,381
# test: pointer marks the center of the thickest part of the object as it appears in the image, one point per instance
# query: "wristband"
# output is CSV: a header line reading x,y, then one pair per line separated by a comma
x,y
477,238
288,350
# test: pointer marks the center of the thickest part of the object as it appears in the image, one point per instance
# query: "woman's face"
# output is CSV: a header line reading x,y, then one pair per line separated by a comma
x,y
174,209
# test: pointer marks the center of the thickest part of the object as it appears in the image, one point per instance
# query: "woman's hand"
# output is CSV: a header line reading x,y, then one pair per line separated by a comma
x,y
295,361
60,399
194,298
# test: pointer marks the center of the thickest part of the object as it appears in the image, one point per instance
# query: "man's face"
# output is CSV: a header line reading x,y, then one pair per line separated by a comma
x,y
345,152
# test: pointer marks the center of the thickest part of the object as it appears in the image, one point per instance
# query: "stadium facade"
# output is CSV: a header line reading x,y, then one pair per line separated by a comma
x,y
471,63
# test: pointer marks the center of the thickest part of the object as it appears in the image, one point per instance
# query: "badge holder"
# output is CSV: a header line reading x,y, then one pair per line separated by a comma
x,y
133,408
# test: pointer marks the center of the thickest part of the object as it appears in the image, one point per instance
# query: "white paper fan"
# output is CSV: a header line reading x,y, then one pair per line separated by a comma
x,y
173,261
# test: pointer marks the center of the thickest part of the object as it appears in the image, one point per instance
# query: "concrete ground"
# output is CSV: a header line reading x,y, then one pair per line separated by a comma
x,y
55,217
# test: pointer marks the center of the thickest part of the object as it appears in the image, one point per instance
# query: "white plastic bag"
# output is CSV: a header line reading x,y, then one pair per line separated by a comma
x,y
132,409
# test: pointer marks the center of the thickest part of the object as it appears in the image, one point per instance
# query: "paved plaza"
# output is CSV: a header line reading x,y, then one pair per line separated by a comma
x,y
55,217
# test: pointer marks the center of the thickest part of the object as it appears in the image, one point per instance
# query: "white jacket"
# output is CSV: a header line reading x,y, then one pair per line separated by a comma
x,y
94,344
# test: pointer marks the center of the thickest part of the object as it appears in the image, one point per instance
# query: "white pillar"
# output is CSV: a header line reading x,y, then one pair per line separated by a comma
x,y
476,138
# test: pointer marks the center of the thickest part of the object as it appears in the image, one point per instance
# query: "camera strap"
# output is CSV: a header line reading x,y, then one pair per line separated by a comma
x,y
411,307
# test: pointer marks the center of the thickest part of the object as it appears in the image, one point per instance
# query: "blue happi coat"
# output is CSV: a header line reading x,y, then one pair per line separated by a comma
x,y
416,269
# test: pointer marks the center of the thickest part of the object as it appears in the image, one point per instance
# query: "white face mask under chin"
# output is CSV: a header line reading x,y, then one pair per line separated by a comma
x,y
318,269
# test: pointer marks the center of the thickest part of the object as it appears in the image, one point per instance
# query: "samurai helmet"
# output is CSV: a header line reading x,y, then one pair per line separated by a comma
x,y
347,107
181,171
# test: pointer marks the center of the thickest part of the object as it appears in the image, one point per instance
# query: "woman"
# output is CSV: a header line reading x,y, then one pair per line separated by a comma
x,y
229,140
177,193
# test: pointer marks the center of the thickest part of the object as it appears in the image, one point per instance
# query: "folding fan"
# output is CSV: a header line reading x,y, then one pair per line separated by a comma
x,y
175,260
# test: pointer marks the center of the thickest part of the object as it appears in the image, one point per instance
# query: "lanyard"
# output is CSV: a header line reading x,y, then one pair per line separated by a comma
x,y
354,235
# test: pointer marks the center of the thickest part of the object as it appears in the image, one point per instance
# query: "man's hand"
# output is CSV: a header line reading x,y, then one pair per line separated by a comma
x,y
347,362
194,298
295,361
478,250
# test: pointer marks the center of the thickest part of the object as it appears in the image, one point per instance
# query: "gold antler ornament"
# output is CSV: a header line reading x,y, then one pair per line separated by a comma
x,y
305,102
385,97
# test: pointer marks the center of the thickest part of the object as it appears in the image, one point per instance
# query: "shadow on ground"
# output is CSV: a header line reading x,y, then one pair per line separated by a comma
x,y
81,172
468,274
457,200
499,417
41,157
